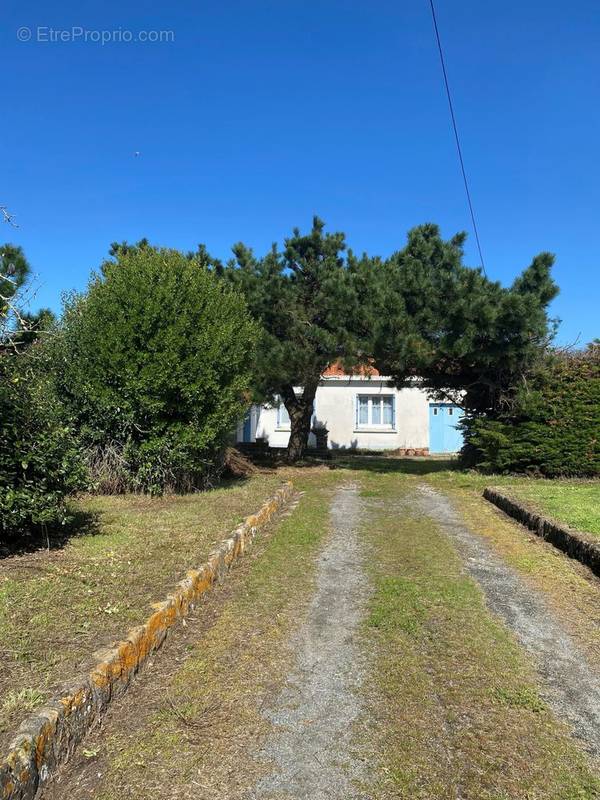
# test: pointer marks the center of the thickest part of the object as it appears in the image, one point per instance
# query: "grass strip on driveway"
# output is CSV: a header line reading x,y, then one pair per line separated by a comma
x,y
455,708
57,607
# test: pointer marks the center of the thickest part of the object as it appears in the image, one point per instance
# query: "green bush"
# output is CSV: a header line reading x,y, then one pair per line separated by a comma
x,y
154,362
553,428
39,460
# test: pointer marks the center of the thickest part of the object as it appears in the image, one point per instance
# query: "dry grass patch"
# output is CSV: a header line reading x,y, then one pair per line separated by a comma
x,y
57,607
453,706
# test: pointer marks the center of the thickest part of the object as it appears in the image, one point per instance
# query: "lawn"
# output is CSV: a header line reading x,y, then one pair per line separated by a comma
x,y
454,708
58,607
574,502
577,504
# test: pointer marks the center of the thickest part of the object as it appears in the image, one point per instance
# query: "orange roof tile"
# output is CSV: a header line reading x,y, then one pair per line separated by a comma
x,y
336,370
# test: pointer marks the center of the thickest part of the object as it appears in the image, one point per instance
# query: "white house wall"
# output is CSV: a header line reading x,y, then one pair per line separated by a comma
x,y
266,428
335,407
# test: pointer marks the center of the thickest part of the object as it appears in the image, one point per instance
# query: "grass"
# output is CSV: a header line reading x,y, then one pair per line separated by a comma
x,y
192,729
574,502
22,701
577,504
523,697
454,706
58,607
453,709
569,589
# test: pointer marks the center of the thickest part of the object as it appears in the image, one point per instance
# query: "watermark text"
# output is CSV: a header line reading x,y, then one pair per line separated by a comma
x,y
77,33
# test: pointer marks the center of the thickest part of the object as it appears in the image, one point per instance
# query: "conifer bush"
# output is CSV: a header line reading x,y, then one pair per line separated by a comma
x,y
553,426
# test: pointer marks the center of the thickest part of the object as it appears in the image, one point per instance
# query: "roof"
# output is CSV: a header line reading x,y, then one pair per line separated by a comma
x,y
337,370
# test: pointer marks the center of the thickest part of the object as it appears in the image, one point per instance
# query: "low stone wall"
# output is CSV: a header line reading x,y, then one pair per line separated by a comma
x,y
48,738
581,546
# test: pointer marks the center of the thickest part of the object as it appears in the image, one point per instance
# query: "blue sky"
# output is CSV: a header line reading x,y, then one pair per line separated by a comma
x,y
261,113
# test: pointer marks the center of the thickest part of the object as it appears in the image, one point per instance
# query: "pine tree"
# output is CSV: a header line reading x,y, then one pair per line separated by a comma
x,y
462,334
307,299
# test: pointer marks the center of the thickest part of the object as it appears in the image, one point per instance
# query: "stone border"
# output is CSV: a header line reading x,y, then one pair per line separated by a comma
x,y
575,544
51,734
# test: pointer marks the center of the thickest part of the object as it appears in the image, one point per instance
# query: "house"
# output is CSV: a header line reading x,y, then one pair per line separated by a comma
x,y
362,411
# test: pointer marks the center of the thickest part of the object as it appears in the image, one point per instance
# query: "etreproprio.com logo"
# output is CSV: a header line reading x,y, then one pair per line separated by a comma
x,y
77,33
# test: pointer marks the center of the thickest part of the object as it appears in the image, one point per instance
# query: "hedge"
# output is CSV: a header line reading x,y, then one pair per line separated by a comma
x,y
553,428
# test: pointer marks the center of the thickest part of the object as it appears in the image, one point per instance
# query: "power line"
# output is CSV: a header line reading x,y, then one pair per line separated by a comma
x,y
456,136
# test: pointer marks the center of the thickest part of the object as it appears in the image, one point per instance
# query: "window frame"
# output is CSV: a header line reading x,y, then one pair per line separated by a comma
x,y
380,427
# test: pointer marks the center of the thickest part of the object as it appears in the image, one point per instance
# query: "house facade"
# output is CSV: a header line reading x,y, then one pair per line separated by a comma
x,y
363,412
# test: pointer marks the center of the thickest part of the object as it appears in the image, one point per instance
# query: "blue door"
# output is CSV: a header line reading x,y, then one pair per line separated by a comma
x,y
444,436
247,434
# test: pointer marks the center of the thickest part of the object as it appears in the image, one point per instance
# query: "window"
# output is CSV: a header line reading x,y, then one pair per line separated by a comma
x,y
375,411
363,410
283,418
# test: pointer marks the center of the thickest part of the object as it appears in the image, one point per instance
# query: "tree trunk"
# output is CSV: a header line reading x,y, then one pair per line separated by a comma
x,y
299,432
300,410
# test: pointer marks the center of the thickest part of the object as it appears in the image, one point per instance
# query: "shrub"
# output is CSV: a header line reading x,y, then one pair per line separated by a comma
x,y
553,428
39,460
155,363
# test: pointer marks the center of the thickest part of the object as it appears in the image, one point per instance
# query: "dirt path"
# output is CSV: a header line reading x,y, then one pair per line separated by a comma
x,y
570,686
311,747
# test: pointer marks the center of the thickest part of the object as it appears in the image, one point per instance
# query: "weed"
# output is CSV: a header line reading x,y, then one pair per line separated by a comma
x,y
519,697
22,701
